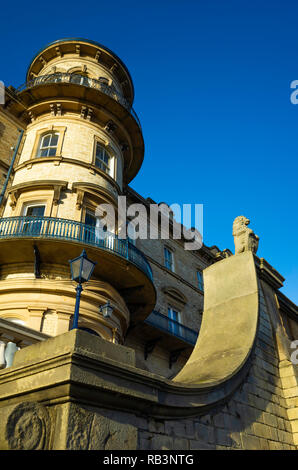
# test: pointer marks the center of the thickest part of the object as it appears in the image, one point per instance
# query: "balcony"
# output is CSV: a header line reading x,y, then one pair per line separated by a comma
x,y
173,337
63,229
172,327
76,79
57,240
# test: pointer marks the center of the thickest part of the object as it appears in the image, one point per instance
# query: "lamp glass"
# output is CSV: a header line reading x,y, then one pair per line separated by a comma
x,y
86,269
75,266
107,309
81,268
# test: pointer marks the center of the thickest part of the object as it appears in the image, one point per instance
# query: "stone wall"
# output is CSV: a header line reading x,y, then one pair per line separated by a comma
x,y
260,414
8,140
177,288
255,418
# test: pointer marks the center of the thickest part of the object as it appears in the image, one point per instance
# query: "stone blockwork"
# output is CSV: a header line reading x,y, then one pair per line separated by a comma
x,y
9,135
255,418
259,415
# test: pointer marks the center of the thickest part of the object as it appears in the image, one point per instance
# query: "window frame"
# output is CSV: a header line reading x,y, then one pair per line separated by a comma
x,y
111,167
47,147
43,132
172,327
200,282
172,266
105,166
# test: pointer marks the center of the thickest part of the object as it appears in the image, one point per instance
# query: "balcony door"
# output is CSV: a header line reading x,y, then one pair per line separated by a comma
x,y
174,318
33,222
95,231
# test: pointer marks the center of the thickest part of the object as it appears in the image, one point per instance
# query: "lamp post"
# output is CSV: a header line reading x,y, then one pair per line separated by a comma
x,y
81,270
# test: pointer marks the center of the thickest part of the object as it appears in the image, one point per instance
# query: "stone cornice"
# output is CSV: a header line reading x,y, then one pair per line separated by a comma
x,y
287,306
268,273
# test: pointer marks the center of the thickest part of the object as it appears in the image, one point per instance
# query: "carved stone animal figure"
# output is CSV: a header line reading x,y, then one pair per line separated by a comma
x,y
244,238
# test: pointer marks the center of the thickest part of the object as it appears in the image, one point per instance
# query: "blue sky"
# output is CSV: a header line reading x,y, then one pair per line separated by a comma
x,y
212,82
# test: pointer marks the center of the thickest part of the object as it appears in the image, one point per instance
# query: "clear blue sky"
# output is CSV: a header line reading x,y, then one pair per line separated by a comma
x,y
212,82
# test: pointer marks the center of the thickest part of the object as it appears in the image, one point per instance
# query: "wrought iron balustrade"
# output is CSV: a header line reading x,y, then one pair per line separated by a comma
x,y
173,327
77,79
64,229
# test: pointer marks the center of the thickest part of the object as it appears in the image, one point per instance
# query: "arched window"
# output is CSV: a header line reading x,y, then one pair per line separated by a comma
x,y
48,145
102,158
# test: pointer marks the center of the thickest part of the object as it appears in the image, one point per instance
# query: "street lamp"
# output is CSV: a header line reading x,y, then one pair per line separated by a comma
x,y
81,270
106,309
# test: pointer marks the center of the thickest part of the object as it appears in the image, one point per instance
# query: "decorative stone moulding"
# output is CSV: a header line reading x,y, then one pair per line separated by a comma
x,y
28,427
57,186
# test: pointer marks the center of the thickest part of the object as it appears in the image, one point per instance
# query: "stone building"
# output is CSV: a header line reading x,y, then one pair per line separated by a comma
x,y
138,378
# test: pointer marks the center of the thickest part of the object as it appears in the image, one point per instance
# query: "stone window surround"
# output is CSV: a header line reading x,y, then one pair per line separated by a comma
x,y
175,300
45,130
95,196
50,198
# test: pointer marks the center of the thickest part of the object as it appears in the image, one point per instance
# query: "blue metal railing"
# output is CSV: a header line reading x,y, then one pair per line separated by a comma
x,y
77,79
173,327
64,229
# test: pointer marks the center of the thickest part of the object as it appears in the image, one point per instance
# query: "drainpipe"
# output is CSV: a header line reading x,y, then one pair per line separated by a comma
x,y
11,166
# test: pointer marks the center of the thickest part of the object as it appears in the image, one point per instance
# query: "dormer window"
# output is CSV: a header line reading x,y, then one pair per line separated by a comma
x,y
102,158
48,145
